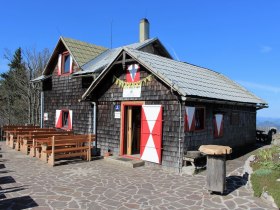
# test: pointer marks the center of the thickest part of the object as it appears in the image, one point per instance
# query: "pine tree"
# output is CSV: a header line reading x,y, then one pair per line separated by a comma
x,y
14,90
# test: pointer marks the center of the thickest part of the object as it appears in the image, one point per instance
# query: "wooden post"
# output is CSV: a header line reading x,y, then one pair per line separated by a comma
x,y
11,140
216,173
129,129
51,157
17,143
89,147
44,155
32,148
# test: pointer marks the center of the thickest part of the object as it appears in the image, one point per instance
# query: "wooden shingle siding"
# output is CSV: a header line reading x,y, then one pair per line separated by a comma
x,y
154,92
236,136
65,93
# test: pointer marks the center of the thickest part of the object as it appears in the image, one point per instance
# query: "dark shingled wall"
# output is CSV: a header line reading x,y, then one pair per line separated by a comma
x,y
65,93
238,134
154,92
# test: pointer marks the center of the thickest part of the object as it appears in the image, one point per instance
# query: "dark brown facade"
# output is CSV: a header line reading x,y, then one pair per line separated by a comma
x,y
63,93
239,121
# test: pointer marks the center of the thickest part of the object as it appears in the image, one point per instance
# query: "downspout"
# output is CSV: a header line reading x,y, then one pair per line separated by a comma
x,y
180,127
180,137
179,133
94,121
42,109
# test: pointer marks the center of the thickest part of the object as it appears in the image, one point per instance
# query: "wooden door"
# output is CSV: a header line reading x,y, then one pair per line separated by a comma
x,y
151,133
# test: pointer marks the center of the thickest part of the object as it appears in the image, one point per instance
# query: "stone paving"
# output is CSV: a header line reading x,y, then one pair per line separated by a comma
x,y
29,183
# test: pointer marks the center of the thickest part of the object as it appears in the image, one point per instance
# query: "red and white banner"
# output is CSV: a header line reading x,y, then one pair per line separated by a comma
x,y
133,73
218,125
151,133
190,118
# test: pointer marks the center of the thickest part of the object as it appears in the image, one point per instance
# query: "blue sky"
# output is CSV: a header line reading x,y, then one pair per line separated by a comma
x,y
239,38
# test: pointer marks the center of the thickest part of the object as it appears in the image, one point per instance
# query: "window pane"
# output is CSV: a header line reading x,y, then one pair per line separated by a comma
x,y
66,64
65,119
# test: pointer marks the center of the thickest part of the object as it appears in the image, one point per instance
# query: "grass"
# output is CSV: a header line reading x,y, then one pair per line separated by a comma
x,y
266,169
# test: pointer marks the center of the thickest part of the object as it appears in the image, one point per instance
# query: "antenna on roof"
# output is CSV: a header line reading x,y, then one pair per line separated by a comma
x,y
111,34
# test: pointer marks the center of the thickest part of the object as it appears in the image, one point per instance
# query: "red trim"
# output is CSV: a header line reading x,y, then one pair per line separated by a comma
x,y
123,104
62,64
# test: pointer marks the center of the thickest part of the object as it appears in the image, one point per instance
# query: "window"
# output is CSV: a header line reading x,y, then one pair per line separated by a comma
x,y
65,118
194,118
47,84
65,63
86,81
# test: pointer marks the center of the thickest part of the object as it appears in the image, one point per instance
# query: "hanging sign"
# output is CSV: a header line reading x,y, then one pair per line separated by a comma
x,y
117,115
132,92
46,116
132,85
117,107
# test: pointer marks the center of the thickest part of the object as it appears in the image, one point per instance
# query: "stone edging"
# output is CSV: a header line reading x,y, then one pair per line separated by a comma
x,y
247,169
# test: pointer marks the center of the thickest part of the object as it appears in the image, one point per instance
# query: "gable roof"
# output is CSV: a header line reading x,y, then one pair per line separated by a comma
x,y
97,64
187,79
82,52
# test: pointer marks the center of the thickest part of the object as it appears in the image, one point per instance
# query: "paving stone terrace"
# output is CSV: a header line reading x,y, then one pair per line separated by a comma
x,y
29,183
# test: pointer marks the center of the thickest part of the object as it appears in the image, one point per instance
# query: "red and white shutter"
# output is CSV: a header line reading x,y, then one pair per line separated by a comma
x,y
58,118
189,118
151,133
71,64
59,63
70,118
218,125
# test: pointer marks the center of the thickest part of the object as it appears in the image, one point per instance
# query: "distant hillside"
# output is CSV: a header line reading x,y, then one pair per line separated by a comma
x,y
268,122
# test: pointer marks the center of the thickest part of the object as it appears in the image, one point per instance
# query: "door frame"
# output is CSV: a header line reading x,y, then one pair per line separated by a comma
x,y
123,104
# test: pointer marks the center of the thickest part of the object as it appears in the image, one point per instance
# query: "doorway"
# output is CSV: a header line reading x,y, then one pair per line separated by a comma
x,y
132,130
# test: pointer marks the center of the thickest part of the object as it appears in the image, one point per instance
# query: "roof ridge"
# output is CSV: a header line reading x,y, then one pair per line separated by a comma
x,y
76,40
182,62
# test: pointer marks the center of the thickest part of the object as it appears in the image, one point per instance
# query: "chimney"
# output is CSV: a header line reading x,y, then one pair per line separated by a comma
x,y
144,30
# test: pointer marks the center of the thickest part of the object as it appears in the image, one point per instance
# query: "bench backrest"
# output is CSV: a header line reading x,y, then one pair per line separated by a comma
x,y
7,127
78,139
32,134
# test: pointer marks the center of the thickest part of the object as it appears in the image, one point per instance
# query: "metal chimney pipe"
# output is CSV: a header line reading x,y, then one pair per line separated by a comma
x,y
144,32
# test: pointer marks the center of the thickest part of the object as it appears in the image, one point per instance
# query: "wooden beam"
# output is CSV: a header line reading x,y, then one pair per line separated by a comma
x,y
126,61
129,130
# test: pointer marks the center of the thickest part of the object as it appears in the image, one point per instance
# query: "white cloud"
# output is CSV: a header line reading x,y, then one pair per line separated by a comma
x,y
265,49
265,87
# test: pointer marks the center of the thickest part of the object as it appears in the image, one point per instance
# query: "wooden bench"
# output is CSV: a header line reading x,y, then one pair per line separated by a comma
x,y
193,157
13,134
65,147
9,127
26,141
33,145
6,129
